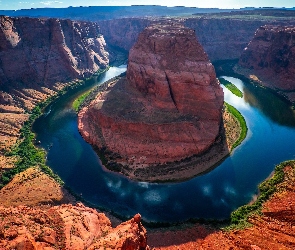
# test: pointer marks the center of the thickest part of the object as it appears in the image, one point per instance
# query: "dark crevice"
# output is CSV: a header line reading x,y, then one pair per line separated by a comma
x,y
170,91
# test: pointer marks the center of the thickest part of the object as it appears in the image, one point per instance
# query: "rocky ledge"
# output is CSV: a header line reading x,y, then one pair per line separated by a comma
x,y
269,59
67,227
167,108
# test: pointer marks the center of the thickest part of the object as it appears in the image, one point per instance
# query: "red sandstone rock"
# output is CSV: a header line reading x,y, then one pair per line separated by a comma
x,y
270,57
67,227
39,57
45,51
168,107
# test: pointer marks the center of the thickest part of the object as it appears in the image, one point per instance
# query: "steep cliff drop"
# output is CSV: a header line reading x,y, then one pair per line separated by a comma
x,y
269,59
167,109
38,57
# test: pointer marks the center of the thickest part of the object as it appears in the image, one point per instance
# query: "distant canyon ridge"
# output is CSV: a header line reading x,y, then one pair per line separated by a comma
x,y
269,59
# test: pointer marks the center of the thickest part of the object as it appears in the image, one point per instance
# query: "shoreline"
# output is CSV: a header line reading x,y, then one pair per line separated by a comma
x,y
26,137
179,171
287,95
229,67
232,132
166,226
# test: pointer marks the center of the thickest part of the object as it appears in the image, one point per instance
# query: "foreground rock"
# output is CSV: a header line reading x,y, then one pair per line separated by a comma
x,y
32,187
168,107
67,227
269,59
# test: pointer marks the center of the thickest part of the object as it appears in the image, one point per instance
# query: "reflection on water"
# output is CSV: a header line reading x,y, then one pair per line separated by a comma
x,y
212,195
270,105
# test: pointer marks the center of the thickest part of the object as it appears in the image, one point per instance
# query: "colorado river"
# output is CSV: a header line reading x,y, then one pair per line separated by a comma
x,y
270,140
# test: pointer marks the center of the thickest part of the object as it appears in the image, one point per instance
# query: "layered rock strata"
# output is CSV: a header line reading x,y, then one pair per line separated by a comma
x,y
269,59
46,51
167,108
39,57
222,38
67,227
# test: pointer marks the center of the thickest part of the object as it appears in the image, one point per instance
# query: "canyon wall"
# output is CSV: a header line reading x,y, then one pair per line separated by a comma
x,y
123,33
37,58
167,108
221,38
269,58
45,51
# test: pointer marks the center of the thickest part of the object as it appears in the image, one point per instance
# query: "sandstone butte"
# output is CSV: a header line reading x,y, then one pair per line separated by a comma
x,y
166,109
269,59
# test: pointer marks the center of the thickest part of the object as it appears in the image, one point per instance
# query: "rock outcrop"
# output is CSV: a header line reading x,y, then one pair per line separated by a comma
x,y
269,58
67,227
168,107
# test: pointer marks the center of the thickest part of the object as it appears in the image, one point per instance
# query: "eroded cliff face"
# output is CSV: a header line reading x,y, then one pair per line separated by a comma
x,y
67,227
221,38
269,58
167,108
123,33
39,57
45,51
225,38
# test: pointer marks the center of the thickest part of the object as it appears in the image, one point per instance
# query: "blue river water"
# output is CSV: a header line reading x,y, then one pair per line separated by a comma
x,y
214,195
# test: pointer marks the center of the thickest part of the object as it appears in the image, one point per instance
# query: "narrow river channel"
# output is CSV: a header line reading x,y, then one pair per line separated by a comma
x,y
270,140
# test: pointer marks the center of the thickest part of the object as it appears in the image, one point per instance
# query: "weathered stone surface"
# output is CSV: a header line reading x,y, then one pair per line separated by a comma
x,y
269,58
45,51
166,109
271,51
67,227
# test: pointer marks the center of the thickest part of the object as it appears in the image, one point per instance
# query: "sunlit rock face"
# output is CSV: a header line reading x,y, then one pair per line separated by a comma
x,y
67,227
166,109
270,57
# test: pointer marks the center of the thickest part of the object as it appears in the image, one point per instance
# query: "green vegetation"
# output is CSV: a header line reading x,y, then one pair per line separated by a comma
x,y
24,150
77,103
26,153
267,188
231,87
100,71
242,123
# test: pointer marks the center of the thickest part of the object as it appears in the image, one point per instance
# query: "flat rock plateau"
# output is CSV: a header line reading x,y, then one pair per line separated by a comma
x,y
168,108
